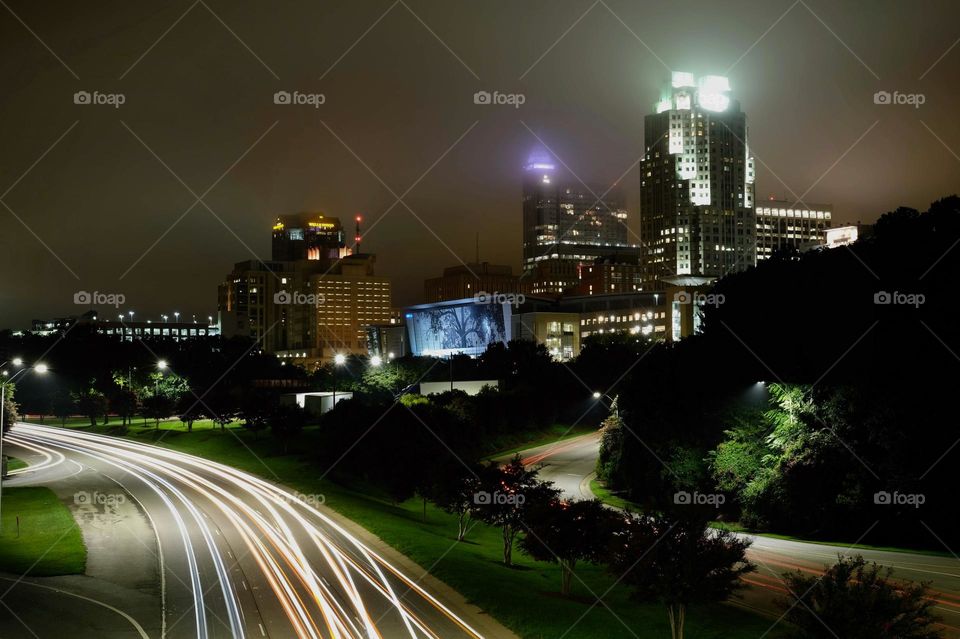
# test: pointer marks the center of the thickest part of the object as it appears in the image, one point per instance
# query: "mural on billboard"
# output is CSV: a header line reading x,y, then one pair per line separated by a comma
x,y
467,328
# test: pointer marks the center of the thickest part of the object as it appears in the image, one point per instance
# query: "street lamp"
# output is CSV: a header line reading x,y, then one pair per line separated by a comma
x,y
375,361
176,316
338,360
613,402
40,368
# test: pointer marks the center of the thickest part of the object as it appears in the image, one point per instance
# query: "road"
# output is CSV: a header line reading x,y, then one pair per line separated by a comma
x,y
570,465
237,556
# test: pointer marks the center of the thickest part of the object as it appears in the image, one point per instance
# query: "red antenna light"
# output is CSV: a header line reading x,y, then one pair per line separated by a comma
x,y
357,238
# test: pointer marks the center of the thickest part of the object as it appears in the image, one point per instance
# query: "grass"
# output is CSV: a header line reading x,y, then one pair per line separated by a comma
x,y
609,497
525,598
15,464
48,541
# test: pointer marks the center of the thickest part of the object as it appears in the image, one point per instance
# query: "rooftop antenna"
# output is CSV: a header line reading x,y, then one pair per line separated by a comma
x,y
357,238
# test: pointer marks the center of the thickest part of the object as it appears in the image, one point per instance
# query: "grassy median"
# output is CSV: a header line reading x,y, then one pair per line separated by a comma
x,y
525,597
45,541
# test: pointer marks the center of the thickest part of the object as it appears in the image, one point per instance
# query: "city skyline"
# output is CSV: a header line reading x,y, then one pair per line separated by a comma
x,y
74,172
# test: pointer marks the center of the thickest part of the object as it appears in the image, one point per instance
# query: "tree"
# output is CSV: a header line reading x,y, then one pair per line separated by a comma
x,y
611,441
63,406
286,422
124,402
189,410
10,409
859,600
163,396
453,492
566,532
507,494
91,403
678,562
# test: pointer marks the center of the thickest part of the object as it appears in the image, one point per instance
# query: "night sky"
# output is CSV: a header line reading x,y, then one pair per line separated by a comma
x,y
199,120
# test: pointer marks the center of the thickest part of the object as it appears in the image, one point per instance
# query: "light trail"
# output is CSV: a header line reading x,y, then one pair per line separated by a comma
x,y
325,581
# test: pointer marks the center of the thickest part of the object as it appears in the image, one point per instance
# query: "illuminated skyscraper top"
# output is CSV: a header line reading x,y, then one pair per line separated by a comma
x,y
567,223
697,183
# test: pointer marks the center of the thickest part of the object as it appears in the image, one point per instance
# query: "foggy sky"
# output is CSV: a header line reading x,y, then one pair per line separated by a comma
x,y
398,99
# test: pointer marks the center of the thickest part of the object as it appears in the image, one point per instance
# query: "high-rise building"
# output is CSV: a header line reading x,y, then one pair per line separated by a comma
x,y
784,225
696,185
308,236
610,274
567,222
349,298
313,306
467,280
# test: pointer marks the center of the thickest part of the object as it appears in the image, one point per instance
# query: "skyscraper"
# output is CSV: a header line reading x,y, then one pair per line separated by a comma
x,y
308,236
696,184
567,224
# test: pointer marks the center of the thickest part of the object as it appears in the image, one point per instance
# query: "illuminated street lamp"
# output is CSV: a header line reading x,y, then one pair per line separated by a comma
x,y
375,361
39,368
338,360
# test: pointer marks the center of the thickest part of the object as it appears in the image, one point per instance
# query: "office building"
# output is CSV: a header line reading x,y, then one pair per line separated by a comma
x,y
697,185
467,280
309,309
610,274
308,236
783,225
567,223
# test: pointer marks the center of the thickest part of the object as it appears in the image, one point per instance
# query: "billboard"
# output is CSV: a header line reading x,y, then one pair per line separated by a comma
x,y
460,326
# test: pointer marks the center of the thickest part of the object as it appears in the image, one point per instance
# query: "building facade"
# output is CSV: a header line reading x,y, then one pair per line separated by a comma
x,y
783,225
467,280
697,184
567,223
311,308
610,275
308,236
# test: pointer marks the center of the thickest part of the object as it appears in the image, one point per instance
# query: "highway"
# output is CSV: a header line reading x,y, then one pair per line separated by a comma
x,y
570,465
239,556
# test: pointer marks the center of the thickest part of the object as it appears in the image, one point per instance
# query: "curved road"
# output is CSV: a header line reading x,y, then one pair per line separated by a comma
x,y
570,465
240,557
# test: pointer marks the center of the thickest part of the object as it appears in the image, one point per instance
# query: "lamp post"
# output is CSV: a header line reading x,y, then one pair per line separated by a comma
x,y
338,360
613,402
40,368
